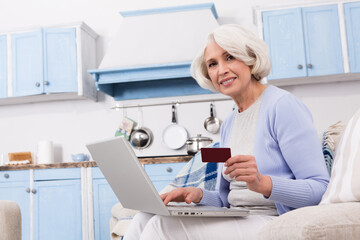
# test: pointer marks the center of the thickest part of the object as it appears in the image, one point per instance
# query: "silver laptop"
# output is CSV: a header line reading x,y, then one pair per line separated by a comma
x,y
132,186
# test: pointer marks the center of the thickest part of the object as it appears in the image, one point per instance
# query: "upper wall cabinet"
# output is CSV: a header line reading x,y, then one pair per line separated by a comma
x,y
352,21
44,61
51,64
27,63
3,67
303,41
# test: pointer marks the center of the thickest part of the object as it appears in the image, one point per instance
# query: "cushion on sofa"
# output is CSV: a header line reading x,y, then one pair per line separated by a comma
x,y
344,185
330,222
10,220
120,220
330,140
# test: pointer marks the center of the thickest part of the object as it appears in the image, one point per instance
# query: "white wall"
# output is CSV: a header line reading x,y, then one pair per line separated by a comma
x,y
70,124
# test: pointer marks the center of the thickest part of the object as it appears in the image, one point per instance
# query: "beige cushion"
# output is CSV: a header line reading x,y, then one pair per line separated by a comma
x,y
344,185
330,222
114,234
10,220
121,218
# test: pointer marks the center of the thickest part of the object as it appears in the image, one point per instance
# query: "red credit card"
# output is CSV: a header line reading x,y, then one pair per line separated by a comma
x,y
215,154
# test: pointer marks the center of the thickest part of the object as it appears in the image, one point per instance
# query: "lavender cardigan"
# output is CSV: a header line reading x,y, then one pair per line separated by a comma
x,y
286,148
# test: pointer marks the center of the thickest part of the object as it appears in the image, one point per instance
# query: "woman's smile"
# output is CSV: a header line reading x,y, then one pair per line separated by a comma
x,y
227,81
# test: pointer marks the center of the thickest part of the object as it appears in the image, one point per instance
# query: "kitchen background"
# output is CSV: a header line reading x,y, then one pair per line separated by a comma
x,y
70,124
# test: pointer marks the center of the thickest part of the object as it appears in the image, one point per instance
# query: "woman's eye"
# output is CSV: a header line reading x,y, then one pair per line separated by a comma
x,y
229,57
211,65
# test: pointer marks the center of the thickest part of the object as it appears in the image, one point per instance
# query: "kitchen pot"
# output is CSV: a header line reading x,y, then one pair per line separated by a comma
x,y
174,136
212,124
141,137
194,144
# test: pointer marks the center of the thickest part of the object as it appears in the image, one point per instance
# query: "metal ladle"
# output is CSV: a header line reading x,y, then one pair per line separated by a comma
x,y
212,124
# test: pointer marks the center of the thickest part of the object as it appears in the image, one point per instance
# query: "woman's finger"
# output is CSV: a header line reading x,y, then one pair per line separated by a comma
x,y
166,200
234,166
163,196
241,165
246,178
238,159
242,172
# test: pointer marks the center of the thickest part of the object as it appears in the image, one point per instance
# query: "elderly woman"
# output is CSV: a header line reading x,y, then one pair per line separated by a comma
x,y
277,163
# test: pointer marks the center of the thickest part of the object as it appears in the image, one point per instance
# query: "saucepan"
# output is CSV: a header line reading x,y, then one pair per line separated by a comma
x,y
141,137
194,144
212,124
174,136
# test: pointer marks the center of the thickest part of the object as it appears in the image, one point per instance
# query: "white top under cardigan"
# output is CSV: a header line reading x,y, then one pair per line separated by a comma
x,y
242,143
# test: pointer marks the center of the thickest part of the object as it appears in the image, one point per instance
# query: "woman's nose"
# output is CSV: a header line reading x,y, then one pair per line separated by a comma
x,y
223,69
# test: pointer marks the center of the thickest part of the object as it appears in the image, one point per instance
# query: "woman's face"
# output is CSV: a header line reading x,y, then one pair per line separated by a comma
x,y
229,75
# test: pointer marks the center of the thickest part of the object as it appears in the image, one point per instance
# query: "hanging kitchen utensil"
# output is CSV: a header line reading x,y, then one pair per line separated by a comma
x,y
212,124
125,127
174,136
194,144
141,137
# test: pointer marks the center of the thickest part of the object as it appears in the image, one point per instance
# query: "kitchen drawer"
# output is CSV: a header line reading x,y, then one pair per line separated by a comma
x,y
14,176
163,170
57,174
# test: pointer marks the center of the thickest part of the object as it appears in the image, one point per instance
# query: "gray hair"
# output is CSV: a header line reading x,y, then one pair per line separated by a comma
x,y
241,44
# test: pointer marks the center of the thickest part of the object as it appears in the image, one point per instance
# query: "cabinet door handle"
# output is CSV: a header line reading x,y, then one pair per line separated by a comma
x,y
33,191
28,190
309,65
46,83
300,66
6,175
37,84
169,169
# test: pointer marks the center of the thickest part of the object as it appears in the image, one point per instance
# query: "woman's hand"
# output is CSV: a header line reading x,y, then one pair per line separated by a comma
x,y
187,194
244,168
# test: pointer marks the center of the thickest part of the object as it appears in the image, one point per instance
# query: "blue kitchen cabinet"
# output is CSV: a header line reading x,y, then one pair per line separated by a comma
x,y
3,67
57,204
352,22
44,61
284,35
60,63
14,186
27,62
303,41
162,174
104,199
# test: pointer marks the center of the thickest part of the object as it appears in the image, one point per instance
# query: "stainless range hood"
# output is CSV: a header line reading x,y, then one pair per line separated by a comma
x,y
151,54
